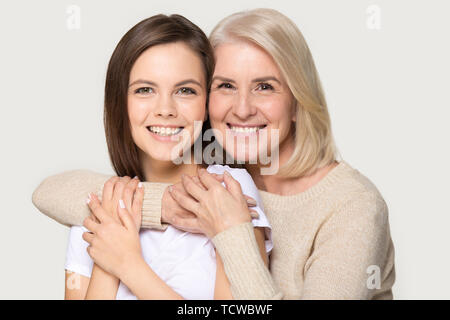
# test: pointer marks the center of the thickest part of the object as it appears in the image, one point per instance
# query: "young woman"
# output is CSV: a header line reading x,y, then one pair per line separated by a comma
x,y
156,91
330,224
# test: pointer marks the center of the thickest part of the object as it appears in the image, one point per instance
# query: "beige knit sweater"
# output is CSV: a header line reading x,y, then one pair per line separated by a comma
x,y
330,242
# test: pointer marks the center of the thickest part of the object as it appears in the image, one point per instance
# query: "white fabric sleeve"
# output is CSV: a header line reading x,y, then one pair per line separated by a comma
x,y
77,258
249,188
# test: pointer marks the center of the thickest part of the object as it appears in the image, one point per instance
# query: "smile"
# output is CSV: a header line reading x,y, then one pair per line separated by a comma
x,y
165,131
245,129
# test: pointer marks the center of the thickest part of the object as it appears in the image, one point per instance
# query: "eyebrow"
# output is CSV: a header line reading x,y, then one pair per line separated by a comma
x,y
262,79
155,85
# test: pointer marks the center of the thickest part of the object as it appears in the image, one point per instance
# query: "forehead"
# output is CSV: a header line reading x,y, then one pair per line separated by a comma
x,y
172,61
236,56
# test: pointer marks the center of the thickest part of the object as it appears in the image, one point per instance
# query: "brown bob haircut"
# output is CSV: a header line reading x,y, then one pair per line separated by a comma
x,y
159,29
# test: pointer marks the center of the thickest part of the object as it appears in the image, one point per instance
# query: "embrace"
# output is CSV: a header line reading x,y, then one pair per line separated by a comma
x,y
175,225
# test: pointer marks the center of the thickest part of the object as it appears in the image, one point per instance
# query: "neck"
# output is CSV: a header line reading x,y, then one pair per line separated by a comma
x,y
166,171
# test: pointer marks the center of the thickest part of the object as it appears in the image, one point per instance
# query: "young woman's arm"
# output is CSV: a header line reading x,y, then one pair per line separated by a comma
x,y
117,251
145,283
102,285
75,286
222,289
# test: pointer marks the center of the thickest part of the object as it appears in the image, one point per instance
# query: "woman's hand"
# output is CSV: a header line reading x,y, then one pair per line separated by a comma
x,y
179,217
114,239
215,207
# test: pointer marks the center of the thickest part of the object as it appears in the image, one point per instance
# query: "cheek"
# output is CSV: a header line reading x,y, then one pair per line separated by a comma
x,y
218,107
192,110
275,110
138,110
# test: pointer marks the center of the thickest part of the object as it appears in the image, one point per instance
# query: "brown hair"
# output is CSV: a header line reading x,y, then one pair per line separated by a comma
x,y
159,29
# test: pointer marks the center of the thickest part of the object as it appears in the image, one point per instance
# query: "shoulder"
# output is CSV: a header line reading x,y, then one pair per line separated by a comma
x,y
357,198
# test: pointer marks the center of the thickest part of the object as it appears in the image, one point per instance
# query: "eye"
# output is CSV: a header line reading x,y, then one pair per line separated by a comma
x,y
144,90
264,86
186,91
225,85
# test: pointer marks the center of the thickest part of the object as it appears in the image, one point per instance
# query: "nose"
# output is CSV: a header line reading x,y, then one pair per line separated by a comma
x,y
243,107
165,108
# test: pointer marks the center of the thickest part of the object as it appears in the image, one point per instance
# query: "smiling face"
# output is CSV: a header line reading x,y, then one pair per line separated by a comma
x,y
166,94
249,98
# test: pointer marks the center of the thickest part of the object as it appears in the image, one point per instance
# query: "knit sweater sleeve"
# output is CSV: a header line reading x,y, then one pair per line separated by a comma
x,y
352,253
62,198
248,275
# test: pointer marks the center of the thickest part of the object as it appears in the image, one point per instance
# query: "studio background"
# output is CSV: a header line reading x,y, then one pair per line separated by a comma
x,y
384,66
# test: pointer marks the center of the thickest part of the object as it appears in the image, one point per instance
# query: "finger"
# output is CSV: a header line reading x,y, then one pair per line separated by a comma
x,y
187,224
254,214
108,188
191,187
90,224
218,177
232,185
136,207
125,217
207,179
185,202
88,237
250,201
128,192
119,187
96,208
198,182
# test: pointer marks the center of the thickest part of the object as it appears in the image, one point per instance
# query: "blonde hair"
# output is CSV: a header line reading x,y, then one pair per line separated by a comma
x,y
281,39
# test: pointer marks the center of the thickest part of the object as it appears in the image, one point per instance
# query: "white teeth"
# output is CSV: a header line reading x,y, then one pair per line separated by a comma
x,y
245,129
163,131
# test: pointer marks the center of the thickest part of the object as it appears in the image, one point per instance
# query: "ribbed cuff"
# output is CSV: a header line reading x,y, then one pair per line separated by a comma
x,y
244,266
151,206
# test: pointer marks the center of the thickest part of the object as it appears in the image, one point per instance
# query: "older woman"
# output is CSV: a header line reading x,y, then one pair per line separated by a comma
x,y
330,226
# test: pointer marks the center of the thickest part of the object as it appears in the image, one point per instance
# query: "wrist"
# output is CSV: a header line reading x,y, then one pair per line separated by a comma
x,y
163,211
129,265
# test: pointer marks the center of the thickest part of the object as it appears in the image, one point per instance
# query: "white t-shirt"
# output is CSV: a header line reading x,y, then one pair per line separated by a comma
x,y
183,260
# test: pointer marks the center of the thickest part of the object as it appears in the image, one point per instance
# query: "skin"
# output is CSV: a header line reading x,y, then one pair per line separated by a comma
x,y
248,89
167,87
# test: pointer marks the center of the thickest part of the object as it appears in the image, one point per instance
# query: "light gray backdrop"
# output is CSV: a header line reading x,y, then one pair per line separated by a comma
x,y
385,70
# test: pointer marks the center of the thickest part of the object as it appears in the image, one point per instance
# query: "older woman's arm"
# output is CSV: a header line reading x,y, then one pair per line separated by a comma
x,y
62,198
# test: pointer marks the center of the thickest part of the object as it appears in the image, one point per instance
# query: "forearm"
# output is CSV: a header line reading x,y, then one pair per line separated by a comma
x,y
244,266
145,283
102,285
62,198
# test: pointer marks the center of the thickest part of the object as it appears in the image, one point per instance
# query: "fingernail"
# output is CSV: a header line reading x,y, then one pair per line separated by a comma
x,y
122,205
251,201
170,188
88,200
136,177
140,185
